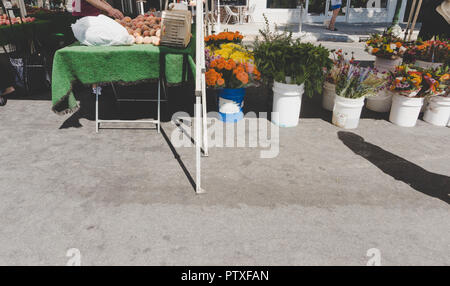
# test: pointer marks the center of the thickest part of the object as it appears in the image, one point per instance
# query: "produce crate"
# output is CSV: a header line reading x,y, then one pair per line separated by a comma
x,y
176,28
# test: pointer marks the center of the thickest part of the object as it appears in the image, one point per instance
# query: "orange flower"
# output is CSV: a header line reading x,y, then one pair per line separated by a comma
x,y
232,63
398,44
239,69
220,81
211,77
243,77
375,50
221,65
445,77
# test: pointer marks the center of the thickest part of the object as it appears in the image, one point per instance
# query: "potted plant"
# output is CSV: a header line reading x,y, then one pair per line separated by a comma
x,y
231,78
331,78
437,111
378,99
291,68
351,89
407,101
223,38
388,50
230,70
428,54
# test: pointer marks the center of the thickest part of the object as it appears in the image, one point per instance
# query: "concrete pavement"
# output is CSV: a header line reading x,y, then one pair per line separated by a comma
x,y
122,198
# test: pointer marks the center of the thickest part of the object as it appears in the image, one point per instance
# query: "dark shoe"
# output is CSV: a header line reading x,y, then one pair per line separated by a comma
x,y
334,30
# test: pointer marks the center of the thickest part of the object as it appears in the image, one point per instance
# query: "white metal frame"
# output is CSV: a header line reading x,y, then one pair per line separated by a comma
x,y
200,95
157,122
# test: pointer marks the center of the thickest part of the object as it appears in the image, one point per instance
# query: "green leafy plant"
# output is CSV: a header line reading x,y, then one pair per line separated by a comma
x,y
279,57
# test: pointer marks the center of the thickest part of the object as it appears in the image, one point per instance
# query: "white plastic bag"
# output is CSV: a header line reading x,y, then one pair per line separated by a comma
x,y
100,31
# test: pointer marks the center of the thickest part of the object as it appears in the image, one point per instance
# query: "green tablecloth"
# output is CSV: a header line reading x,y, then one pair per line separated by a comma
x,y
118,64
19,32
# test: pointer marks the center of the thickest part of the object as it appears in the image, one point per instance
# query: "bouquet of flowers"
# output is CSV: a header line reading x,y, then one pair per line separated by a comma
x,y
231,74
429,51
233,51
355,82
222,38
375,82
438,81
385,46
339,66
406,81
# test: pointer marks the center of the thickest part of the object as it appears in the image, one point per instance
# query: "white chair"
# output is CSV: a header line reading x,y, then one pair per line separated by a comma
x,y
249,13
230,14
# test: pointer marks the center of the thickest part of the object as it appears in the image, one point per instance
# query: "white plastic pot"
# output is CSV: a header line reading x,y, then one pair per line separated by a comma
x,y
329,95
405,110
438,111
287,101
386,65
381,102
427,65
347,111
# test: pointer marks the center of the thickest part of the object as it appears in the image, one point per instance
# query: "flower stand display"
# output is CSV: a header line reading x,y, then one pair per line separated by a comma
x,y
287,101
332,76
408,97
328,96
347,112
230,70
437,111
379,99
231,104
292,68
428,54
353,85
380,102
405,110
427,65
386,65
388,50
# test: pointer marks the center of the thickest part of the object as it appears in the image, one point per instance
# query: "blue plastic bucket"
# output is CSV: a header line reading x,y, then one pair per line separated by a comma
x,y
231,104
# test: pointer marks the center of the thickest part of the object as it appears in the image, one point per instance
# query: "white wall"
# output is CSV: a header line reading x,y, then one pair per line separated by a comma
x,y
356,15
274,15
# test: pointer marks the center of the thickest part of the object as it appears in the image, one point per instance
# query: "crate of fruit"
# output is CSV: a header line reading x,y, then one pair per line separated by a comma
x,y
176,28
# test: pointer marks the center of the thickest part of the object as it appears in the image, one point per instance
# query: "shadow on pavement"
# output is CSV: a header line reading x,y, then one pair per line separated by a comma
x,y
428,183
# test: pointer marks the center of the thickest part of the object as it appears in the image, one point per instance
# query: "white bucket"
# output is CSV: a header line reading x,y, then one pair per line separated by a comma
x,y
329,95
427,65
405,110
347,111
438,111
287,100
381,102
386,65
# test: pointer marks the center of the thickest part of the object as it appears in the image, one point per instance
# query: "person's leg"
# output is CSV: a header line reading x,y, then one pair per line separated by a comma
x,y
333,18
